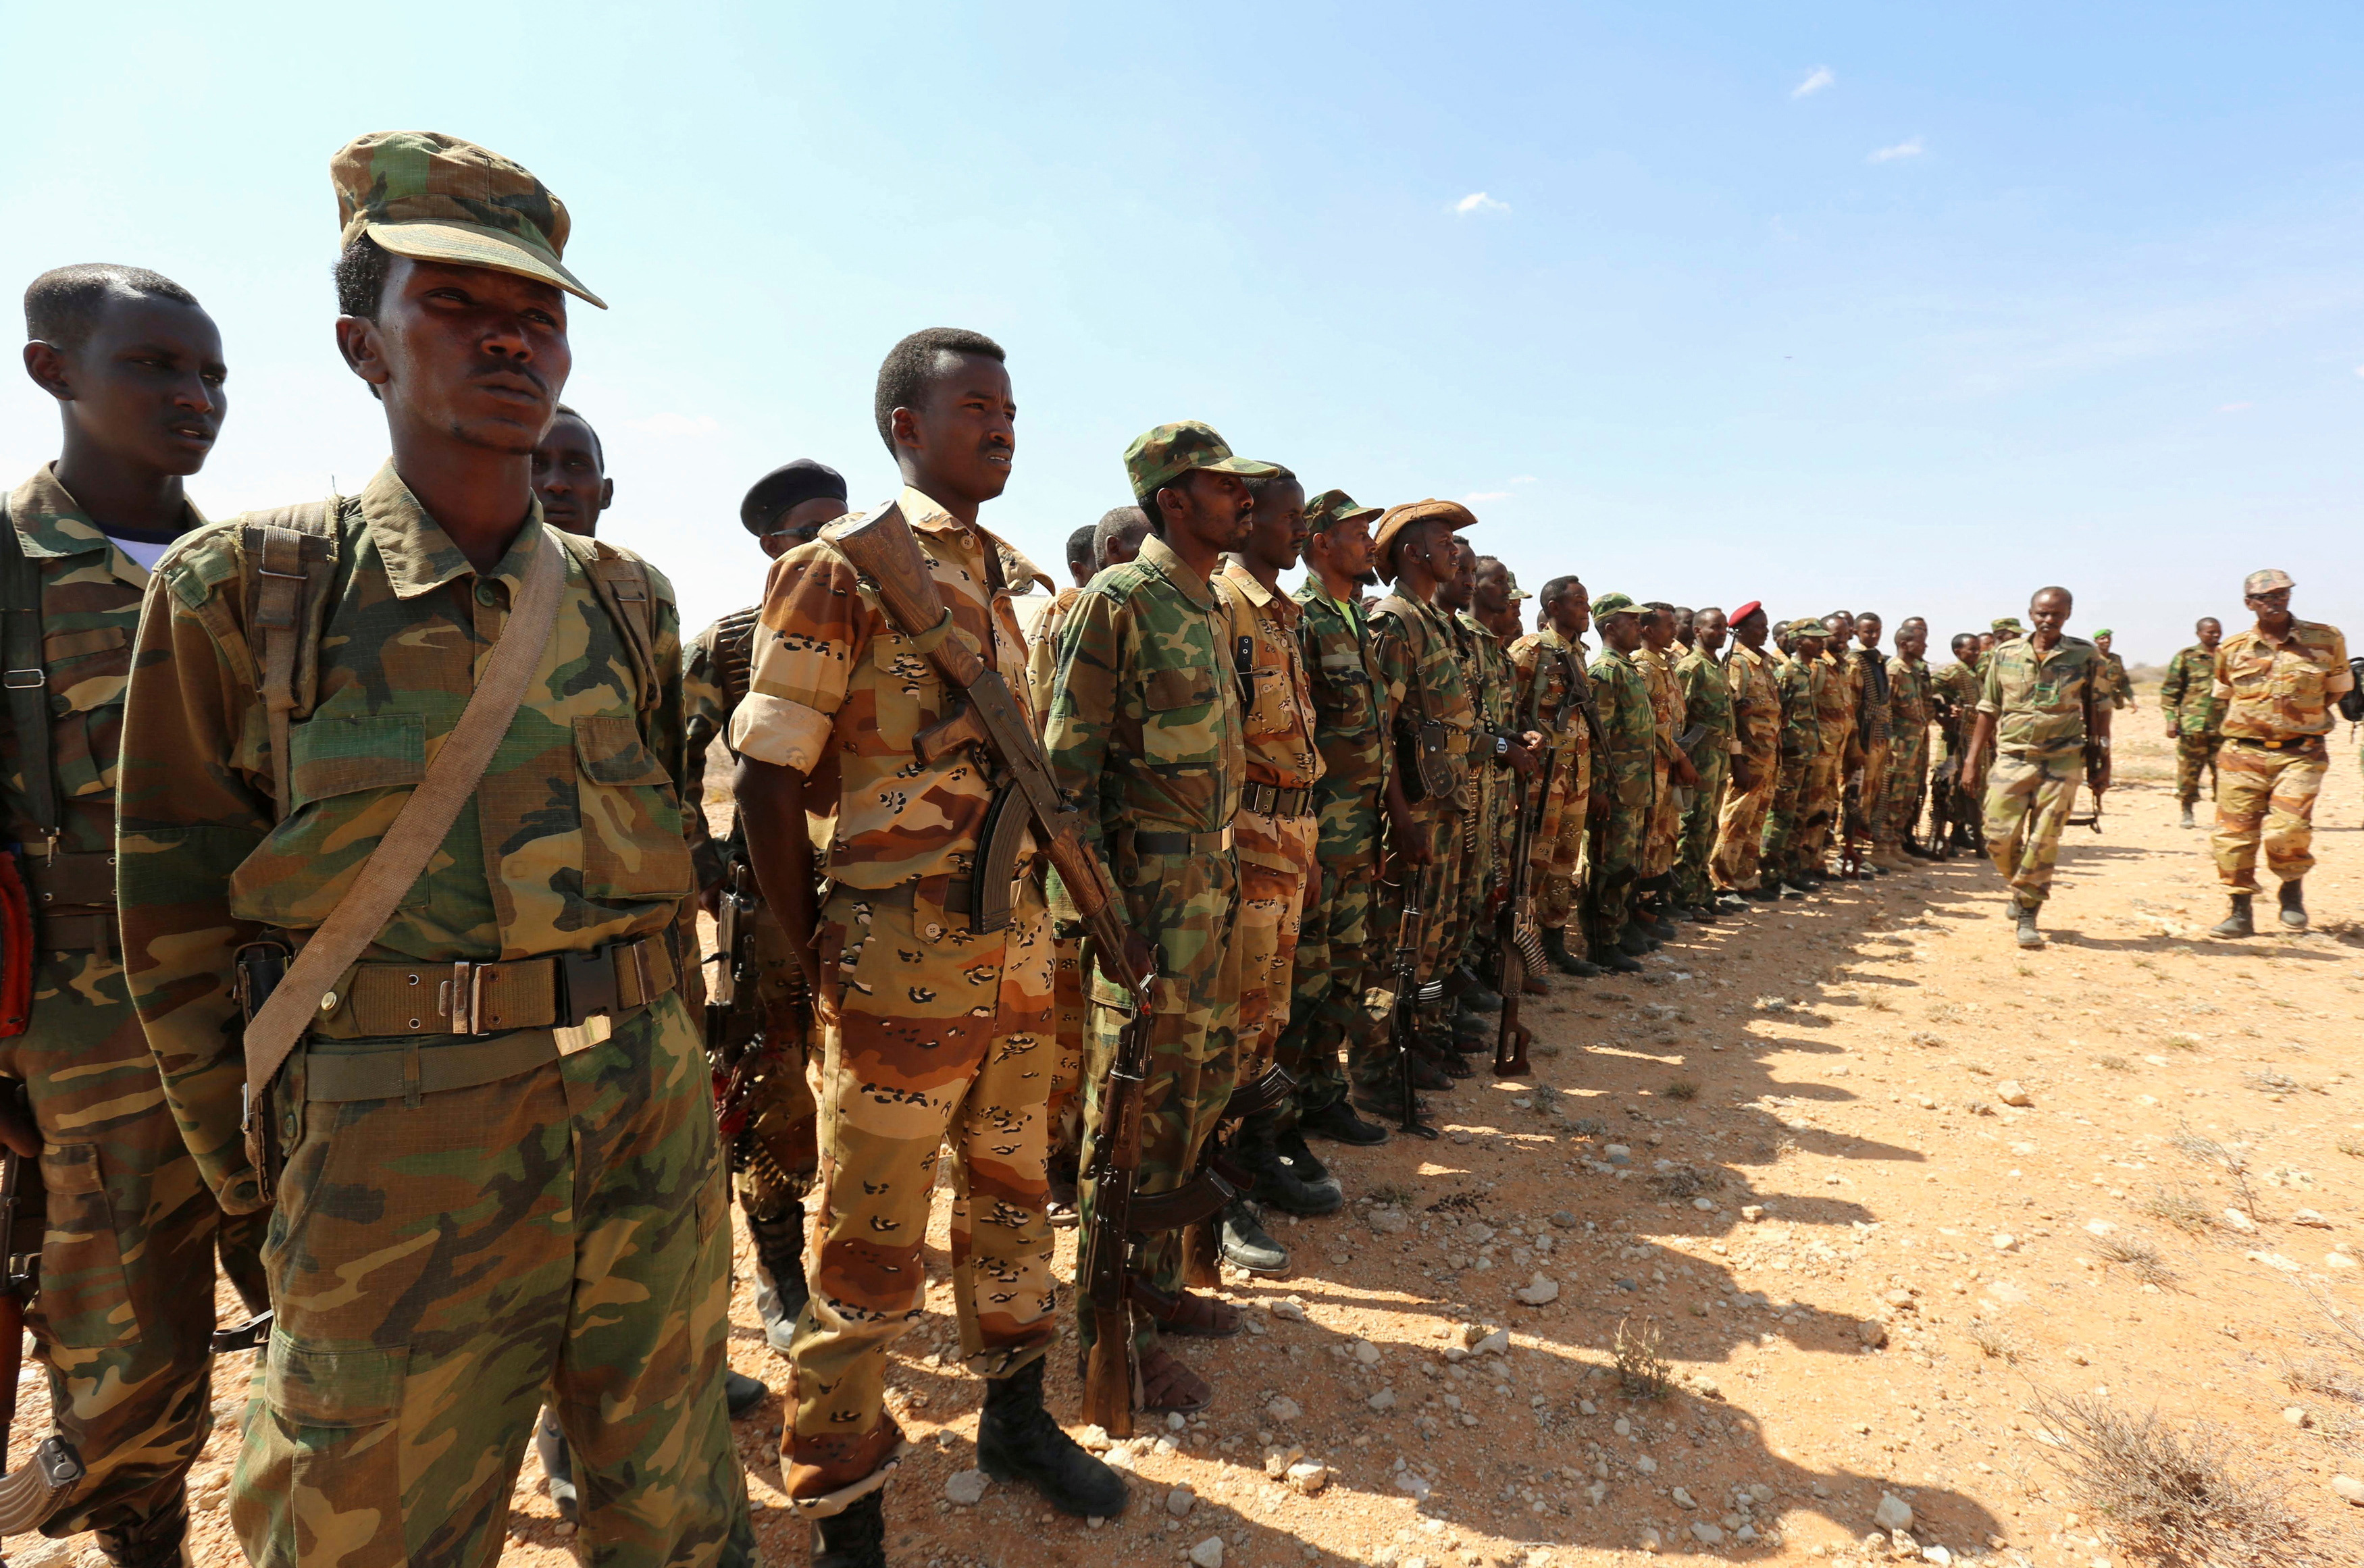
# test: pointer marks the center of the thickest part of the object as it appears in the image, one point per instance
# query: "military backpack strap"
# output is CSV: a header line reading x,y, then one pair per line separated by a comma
x,y
291,560
26,680
621,583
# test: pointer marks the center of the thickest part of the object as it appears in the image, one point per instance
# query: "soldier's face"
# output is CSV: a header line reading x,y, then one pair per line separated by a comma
x,y
1622,630
1751,629
1215,510
1657,628
1867,630
1912,640
1346,547
1494,588
1708,629
2050,613
1460,585
1967,648
1579,610
2103,642
465,353
569,477
2211,634
145,387
2272,610
799,523
1277,525
963,437
1842,626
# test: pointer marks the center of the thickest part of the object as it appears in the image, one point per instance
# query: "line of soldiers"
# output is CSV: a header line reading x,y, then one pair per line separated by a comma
x,y
492,1177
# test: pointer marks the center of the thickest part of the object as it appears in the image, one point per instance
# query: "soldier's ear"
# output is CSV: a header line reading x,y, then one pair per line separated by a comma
x,y
364,353
46,363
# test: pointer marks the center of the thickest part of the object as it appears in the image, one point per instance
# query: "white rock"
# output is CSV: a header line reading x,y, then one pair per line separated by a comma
x,y
2004,1241
1651,1540
1289,1311
2337,1260
1683,1499
1893,1513
966,1488
2309,1217
1096,1438
2346,1486
1306,1477
1385,1399
1616,1153
1283,1409
1389,1221
1176,1420
1540,1291
1496,1343
1208,1553
1752,1212
1413,1484
42,1552
1645,1464
1936,1554
2098,1227
1704,1204
1705,1533
1872,1332
2010,1091
2297,1417
2239,1221
1180,1501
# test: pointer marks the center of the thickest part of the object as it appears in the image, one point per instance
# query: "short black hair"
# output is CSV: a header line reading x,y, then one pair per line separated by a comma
x,y
1558,585
910,364
1490,561
598,448
1114,521
2055,588
1258,482
362,270
1079,546
1709,610
2208,621
1658,605
1961,637
64,305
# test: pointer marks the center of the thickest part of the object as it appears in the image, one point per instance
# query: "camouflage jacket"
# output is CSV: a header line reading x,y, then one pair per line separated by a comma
x,y
1665,697
1835,702
2115,682
1956,685
2281,690
573,839
837,693
1146,727
1707,701
2040,700
1487,668
1278,717
2189,693
1630,721
1754,679
1801,685
1350,711
1042,648
715,670
1908,698
1414,651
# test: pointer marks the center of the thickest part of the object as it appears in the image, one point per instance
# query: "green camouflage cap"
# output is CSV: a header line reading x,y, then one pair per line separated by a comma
x,y
2008,623
1333,506
1807,625
1517,593
1159,457
436,198
1612,604
2266,582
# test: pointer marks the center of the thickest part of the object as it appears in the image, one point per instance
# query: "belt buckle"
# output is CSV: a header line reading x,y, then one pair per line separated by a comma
x,y
465,995
588,987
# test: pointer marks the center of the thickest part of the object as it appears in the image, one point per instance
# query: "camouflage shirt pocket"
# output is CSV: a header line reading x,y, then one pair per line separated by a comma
x,y
632,843
347,777
1181,727
908,694
87,671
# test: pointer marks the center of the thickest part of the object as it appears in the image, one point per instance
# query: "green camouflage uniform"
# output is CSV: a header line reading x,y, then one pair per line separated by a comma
x,y
2039,702
1625,784
124,1312
1412,647
1785,851
1754,680
1874,720
1552,688
2195,717
1908,748
1665,818
555,1220
1707,701
2278,709
1957,687
1334,948
2117,683
1485,672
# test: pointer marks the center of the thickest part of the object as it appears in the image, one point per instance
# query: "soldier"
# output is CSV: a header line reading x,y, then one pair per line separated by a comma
x,y
1671,772
2119,685
1556,695
1486,668
1752,675
2277,681
1872,722
2195,718
125,1314
1954,700
1413,649
1276,830
1899,808
505,1098
1707,716
936,1024
1825,799
1336,947
1625,783
1145,728
570,475
2044,707
1784,856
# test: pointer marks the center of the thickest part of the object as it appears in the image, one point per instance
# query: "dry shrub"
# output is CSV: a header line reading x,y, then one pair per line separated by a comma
x,y
1642,1372
2178,1499
2178,1207
2136,1256
1998,1343
1682,1089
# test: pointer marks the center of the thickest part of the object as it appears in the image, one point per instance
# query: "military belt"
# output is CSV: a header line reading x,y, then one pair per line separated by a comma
x,y
2291,743
78,933
1273,800
407,1071
1214,843
1457,743
959,897
62,880
564,990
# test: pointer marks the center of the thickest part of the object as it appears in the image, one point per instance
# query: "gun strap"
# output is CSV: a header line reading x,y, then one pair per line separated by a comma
x,y
26,678
416,832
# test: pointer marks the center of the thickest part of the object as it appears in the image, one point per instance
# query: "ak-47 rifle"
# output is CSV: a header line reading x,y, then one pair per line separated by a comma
x,y
1403,1014
881,549
739,1047
27,1494
1515,934
2097,761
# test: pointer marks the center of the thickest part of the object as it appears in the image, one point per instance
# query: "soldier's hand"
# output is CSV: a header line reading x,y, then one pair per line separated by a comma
x,y
17,1129
1683,773
1409,844
1522,761
1140,955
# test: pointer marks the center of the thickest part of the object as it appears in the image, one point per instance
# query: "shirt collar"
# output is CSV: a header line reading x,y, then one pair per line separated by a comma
x,y
1159,556
50,523
420,556
1259,596
922,512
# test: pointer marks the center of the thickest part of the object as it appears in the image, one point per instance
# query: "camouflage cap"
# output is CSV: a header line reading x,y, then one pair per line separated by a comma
x,y
2266,582
2008,623
1395,519
1159,457
1517,593
436,198
1806,626
1334,506
1612,605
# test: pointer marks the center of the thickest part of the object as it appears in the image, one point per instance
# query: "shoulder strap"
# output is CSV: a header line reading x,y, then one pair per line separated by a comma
x,y
21,671
621,583
291,557
1407,612
417,833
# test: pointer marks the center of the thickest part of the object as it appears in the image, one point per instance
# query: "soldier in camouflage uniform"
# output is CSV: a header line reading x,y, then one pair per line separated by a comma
x,y
1624,786
1908,737
124,1310
1837,700
1548,664
1146,729
1707,709
1500,748
2278,680
2117,683
1786,856
501,1195
1868,673
1336,949
1673,775
2195,718
936,1026
2042,702
1752,674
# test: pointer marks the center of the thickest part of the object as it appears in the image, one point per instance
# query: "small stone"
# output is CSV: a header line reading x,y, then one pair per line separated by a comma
x,y
1752,1212
1176,1420
1645,1464
1385,1399
2296,1415
1289,1311
1389,1221
42,1552
1759,1493
1180,1501
1902,1300
2337,1260
1496,1343
1683,1499
1283,1409
2350,1489
1705,1533
1208,1553
2235,1219
1622,1426
2004,1241
1412,1484
1306,1477
1936,1554
2010,1091
966,1488
1563,1219
1617,1155
2309,1217
1540,1291
1704,1204
1096,1438
1651,1540
1893,1513
1366,1353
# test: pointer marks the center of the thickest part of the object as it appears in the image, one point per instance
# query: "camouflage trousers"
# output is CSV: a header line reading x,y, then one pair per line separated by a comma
x,y
1070,1024
1327,1016
1701,820
1185,907
1819,806
1907,783
931,1035
441,1263
1276,863
1786,851
779,1151
1616,853
125,1317
1664,823
2195,754
1871,793
1371,1060
1740,827
1559,844
2027,802
2266,796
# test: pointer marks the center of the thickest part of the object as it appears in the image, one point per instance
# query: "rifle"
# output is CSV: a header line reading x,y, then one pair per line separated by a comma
x,y
881,550
1403,1012
2096,755
1520,944
29,1494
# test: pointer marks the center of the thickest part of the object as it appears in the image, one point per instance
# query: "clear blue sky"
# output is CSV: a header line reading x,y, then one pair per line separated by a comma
x,y
1914,309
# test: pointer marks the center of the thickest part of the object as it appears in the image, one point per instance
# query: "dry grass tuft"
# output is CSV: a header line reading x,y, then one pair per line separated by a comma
x,y
1682,1089
1642,1372
2181,1208
1998,1343
2136,1256
2114,1064
2174,1498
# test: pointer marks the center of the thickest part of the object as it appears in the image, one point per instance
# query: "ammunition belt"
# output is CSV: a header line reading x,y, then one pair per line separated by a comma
x,y
564,990
1273,800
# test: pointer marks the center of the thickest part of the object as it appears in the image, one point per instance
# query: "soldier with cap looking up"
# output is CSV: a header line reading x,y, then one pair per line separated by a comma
x,y
491,1140
2277,681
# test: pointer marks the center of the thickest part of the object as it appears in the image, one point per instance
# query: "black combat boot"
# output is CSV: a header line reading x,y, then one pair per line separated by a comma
x,y
855,1538
158,1542
1307,1166
2293,914
1244,1243
1615,960
741,1393
1276,1183
557,1463
1475,994
1555,953
2187,822
1018,1441
2236,923
1337,1122
1635,942
780,1289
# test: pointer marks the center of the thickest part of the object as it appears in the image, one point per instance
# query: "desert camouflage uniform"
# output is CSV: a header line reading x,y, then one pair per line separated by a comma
x,y
1335,948
1707,700
1413,650
1625,781
1908,750
440,1259
1836,701
2277,704
1551,685
1145,729
2040,702
1787,852
2197,715
1665,823
125,1313
1070,1016
1754,680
